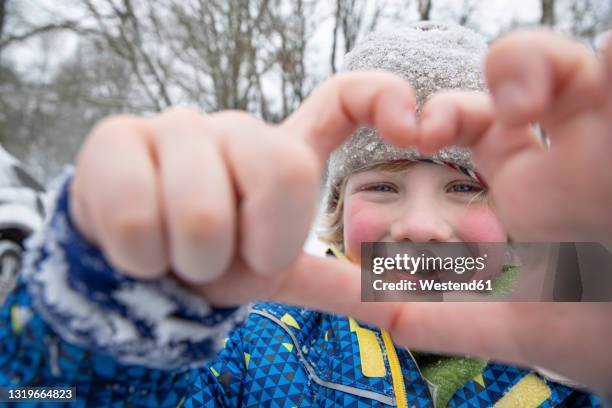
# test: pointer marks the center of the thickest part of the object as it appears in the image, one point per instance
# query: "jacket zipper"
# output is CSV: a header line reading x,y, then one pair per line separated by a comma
x,y
399,388
382,398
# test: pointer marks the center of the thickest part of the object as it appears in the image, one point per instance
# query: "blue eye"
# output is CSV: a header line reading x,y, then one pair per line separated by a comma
x,y
382,188
464,188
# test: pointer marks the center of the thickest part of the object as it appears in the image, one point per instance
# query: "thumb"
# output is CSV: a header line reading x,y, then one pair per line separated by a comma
x,y
333,111
523,333
495,330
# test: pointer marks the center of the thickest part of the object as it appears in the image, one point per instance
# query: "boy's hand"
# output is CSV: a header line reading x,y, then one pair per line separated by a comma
x,y
225,201
559,194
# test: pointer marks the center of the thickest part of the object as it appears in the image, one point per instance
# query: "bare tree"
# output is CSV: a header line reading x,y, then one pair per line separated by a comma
x,y
353,19
45,122
588,17
424,7
210,53
548,12
225,47
141,56
335,34
467,10
294,30
9,35
36,31
124,33
3,4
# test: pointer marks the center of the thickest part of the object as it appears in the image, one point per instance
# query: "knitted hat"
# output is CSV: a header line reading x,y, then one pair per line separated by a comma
x,y
432,57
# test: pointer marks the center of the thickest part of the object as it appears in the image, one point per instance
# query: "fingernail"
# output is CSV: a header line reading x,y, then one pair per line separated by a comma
x,y
510,97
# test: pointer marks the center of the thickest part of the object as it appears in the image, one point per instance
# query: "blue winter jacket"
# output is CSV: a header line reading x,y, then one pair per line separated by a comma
x,y
75,321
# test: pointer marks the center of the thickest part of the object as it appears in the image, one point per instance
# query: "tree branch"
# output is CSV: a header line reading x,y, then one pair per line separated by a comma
x,y
67,25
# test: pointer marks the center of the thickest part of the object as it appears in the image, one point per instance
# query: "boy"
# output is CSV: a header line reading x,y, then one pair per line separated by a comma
x,y
120,339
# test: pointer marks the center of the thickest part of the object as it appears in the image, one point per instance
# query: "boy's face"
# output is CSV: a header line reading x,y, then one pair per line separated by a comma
x,y
422,203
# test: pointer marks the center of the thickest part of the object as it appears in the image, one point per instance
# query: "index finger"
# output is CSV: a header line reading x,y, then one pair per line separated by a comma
x,y
538,75
334,286
335,109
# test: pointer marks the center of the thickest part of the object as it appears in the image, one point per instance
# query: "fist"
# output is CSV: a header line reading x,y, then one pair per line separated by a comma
x,y
224,202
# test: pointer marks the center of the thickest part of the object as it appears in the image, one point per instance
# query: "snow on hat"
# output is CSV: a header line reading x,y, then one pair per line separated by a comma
x,y
432,57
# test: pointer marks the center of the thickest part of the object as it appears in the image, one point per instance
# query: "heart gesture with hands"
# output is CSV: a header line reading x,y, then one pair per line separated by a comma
x,y
224,201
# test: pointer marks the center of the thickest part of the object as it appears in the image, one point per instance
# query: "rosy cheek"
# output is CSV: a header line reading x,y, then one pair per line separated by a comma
x,y
480,224
361,224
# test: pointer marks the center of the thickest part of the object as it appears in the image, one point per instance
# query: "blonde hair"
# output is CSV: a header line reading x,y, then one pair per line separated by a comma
x,y
331,231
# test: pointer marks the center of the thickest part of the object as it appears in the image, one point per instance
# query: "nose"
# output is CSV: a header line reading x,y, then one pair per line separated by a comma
x,y
421,221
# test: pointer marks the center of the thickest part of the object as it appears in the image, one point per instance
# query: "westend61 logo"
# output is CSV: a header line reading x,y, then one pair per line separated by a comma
x,y
460,271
